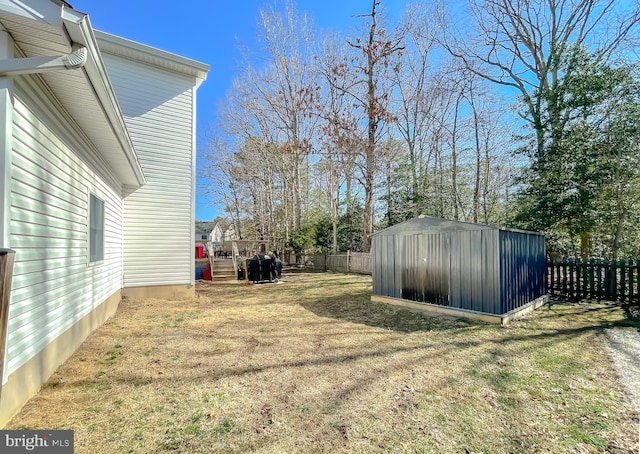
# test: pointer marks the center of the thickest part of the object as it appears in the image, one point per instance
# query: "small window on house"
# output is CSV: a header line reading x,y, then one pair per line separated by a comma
x,y
203,237
96,229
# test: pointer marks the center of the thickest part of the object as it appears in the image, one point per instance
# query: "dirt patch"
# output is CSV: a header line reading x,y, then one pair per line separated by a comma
x,y
312,365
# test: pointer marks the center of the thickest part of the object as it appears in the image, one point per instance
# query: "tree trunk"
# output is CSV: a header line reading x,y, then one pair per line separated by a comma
x,y
372,126
476,185
454,158
485,188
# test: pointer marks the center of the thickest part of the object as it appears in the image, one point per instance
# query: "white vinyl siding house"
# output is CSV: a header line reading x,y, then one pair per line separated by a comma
x,y
53,286
97,164
157,105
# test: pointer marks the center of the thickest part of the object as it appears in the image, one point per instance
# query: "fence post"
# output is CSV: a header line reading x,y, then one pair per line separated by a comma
x,y
587,281
599,282
546,278
631,282
571,267
348,259
623,281
638,281
564,275
610,281
6,273
592,277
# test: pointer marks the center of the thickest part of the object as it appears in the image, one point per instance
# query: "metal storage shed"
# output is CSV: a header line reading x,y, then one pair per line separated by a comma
x,y
490,272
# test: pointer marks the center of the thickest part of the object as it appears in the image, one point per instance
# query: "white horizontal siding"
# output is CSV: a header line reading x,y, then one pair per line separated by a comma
x,y
158,110
53,285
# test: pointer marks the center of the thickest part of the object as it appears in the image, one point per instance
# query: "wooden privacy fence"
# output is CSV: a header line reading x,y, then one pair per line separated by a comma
x,y
595,279
349,262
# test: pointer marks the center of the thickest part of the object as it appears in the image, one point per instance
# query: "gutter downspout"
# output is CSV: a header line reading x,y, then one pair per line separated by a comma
x,y
10,66
79,30
6,158
6,141
37,65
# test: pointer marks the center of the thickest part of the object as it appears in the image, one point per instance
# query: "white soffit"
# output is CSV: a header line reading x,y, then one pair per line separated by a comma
x,y
45,28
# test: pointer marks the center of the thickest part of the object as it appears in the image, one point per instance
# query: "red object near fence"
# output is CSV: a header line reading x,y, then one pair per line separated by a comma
x,y
199,251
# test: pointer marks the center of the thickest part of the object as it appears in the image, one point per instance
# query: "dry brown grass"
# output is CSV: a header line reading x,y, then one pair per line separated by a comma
x,y
312,365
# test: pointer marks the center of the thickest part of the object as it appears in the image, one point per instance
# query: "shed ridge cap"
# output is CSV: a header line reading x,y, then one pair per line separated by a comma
x,y
424,223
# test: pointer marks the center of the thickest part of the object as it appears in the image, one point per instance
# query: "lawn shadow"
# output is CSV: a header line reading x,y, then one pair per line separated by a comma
x,y
299,269
358,308
597,310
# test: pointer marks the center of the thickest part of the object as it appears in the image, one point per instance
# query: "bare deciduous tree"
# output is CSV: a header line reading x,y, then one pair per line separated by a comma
x,y
521,43
376,50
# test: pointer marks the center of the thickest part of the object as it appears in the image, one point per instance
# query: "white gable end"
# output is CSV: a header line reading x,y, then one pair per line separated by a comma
x,y
158,103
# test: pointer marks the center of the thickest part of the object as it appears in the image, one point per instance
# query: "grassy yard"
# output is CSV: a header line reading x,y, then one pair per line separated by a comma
x,y
312,365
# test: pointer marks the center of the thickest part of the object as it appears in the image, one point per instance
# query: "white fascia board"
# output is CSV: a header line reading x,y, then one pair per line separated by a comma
x,y
80,32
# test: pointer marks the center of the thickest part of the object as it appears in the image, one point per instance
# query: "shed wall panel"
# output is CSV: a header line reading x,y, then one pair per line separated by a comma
x,y
456,274
471,273
53,284
158,107
490,273
424,268
523,267
385,265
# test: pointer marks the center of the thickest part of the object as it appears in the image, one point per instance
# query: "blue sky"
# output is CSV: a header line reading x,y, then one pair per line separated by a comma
x,y
210,31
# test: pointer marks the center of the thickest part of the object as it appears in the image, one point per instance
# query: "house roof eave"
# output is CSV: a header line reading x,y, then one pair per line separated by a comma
x,y
116,45
78,26
44,28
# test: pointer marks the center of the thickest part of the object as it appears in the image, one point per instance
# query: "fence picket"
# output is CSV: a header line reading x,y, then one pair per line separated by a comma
x,y
622,281
585,281
592,282
572,293
598,283
638,279
630,276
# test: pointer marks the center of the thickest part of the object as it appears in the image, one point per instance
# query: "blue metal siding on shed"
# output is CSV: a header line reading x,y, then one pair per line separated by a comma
x,y
522,268
383,267
424,265
474,274
414,267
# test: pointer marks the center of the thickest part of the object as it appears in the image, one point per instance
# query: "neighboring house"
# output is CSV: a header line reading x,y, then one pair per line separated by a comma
x,y
202,236
230,234
223,232
217,234
96,163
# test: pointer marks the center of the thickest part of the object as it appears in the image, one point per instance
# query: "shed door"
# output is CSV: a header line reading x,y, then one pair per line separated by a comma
x,y
425,268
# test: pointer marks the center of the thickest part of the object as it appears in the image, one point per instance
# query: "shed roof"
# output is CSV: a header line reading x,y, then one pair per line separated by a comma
x,y
423,224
